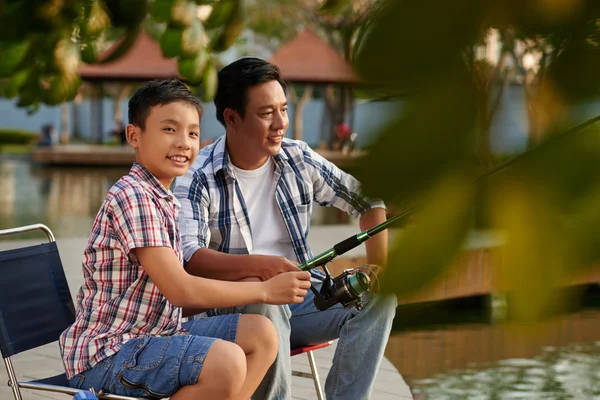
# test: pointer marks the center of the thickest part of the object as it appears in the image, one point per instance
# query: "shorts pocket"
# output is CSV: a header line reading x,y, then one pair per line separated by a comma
x,y
77,381
139,389
148,353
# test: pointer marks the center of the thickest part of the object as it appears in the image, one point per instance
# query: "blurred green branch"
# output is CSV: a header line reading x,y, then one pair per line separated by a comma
x,y
43,42
431,52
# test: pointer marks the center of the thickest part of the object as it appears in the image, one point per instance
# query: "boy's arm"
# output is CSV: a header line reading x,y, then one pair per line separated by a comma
x,y
192,192
187,291
140,232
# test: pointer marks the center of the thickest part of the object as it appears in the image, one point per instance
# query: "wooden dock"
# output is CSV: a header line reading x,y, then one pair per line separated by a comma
x,y
112,155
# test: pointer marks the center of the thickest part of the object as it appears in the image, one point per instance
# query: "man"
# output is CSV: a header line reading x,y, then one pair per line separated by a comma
x,y
246,207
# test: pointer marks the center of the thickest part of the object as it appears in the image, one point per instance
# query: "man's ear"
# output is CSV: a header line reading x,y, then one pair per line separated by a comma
x,y
231,118
133,134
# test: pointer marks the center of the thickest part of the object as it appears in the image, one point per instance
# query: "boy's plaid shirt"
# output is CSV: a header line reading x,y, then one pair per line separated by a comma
x,y
213,212
118,300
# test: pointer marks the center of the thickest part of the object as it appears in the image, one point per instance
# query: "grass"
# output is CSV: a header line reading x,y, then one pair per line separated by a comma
x,y
15,148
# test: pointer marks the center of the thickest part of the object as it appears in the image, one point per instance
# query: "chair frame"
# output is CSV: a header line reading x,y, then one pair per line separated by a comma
x,y
314,375
13,382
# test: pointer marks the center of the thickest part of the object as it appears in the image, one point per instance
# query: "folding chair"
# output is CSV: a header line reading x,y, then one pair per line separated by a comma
x,y
314,375
35,308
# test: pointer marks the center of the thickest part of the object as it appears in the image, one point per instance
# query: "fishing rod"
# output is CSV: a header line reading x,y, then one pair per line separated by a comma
x,y
348,287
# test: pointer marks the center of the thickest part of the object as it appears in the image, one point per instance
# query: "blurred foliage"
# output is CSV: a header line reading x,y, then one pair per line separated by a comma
x,y
545,204
16,136
43,42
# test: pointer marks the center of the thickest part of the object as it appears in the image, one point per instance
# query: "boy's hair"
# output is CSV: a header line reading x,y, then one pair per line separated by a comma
x,y
235,79
158,92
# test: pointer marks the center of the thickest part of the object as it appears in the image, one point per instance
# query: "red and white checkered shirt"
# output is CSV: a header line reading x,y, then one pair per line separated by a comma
x,y
118,301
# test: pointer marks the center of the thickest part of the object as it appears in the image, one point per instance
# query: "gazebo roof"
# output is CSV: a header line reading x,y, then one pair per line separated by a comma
x,y
143,61
309,59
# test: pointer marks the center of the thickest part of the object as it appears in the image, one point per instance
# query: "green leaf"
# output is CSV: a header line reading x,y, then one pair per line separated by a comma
x,y
424,250
125,44
220,14
192,39
12,55
170,42
192,69
209,82
183,13
333,6
226,37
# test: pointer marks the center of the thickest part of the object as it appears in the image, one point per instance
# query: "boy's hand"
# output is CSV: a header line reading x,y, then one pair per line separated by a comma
x,y
287,288
271,266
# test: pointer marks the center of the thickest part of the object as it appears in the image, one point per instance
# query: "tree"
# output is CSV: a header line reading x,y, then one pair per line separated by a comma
x,y
43,42
545,204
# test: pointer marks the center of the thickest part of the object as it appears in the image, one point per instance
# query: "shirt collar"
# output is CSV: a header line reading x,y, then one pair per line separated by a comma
x,y
220,160
149,181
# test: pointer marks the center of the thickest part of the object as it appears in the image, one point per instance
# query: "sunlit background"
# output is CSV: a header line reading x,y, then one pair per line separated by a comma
x,y
496,272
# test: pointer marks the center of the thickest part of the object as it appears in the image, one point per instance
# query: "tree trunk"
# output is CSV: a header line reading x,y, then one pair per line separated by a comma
x,y
64,123
123,93
76,129
299,112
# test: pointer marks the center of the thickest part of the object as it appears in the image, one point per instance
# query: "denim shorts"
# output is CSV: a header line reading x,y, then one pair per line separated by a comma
x,y
158,366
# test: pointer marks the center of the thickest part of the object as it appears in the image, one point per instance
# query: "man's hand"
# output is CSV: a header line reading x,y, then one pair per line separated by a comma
x,y
271,266
287,288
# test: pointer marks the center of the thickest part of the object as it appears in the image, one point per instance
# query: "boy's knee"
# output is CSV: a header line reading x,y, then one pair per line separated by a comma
x,y
224,367
266,337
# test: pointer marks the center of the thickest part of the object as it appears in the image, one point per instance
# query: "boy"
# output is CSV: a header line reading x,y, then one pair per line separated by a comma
x,y
128,338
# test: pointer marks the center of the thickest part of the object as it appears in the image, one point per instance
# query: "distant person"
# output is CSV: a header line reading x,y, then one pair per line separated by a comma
x,y
118,132
47,135
342,133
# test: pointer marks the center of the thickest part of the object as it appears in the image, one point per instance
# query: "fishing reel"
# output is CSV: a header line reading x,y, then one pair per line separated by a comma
x,y
346,289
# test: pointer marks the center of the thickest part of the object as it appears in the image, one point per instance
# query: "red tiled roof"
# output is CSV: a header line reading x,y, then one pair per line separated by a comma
x,y
308,58
143,61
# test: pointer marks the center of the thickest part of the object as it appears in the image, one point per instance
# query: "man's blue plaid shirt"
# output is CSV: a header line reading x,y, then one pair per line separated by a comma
x,y
213,212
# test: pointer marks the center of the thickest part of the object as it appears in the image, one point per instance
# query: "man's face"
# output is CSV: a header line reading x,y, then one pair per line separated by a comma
x,y
170,142
265,122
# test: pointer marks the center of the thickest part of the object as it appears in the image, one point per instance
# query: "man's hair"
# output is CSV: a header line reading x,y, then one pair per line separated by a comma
x,y
159,92
236,78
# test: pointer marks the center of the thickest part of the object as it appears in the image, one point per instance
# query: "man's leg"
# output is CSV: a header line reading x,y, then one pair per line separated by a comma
x,y
363,336
277,384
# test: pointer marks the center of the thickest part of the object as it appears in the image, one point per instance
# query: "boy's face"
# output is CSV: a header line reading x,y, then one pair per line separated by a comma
x,y
265,122
170,143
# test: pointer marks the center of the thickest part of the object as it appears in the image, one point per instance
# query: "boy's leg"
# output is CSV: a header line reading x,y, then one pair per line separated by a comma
x,y
160,366
257,337
277,383
363,336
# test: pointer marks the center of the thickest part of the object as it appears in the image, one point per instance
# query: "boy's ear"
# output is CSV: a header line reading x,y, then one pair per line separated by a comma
x,y
133,134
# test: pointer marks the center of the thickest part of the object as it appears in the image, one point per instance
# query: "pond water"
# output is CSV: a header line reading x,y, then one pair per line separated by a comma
x,y
67,198
554,359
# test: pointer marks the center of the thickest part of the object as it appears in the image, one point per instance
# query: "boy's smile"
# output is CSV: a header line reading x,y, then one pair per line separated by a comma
x,y
170,141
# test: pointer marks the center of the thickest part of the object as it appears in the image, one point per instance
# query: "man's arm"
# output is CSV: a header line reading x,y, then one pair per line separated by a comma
x,y
336,188
377,246
213,264
192,192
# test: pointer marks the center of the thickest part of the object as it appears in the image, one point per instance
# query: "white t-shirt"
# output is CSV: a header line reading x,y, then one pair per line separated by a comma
x,y
269,233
